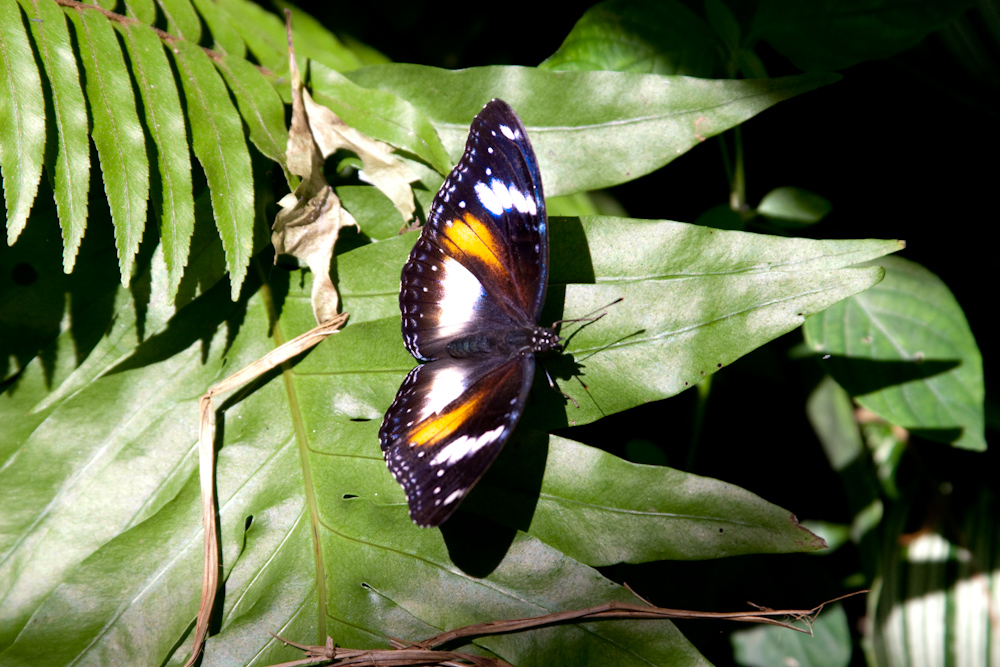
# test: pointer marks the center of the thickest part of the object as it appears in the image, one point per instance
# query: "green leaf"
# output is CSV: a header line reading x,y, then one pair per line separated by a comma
x,y
835,34
631,124
648,37
589,505
165,122
724,23
264,34
144,10
117,133
22,120
377,575
39,462
829,644
69,163
372,574
260,106
831,415
36,310
375,213
932,600
319,43
626,512
225,35
721,216
794,207
379,115
730,293
904,350
182,19
615,251
220,147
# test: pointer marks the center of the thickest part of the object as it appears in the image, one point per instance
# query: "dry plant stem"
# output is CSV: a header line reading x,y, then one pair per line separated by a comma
x,y
423,653
206,462
384,657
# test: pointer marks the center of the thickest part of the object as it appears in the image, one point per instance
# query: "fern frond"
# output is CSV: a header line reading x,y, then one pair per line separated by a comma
x,y
71,73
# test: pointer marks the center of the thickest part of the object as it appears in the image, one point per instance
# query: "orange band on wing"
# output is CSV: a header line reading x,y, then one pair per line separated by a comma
x,y
476,239
438,428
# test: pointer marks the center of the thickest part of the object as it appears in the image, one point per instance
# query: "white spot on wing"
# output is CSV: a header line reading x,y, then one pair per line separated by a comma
x,y
498,197
507,132
488,198
523,202
466,446
460,296
502,193
447,384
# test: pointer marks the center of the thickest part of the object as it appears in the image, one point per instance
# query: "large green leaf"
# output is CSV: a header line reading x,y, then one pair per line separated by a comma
x,y
299,455
905,351
621,511
630,125
695,300
651,37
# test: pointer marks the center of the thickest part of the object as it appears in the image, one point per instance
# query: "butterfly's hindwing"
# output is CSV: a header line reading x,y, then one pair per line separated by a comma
x,y
446,426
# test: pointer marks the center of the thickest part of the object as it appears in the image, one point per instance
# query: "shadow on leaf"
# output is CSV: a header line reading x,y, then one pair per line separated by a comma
x,y
864,376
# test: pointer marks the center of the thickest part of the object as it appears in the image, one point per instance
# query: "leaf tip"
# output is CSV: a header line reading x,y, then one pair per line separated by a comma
x,y
811,541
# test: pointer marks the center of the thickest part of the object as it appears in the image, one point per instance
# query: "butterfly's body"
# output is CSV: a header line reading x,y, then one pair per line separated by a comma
x,y
471,294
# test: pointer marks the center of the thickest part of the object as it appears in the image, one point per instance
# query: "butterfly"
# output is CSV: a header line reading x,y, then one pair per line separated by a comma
x,y
470,296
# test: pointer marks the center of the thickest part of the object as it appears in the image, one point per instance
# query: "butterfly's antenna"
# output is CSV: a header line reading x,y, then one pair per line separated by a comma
x,y
553,385
590,317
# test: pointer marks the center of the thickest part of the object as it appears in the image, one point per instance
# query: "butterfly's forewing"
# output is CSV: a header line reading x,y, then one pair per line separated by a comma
x,y
480,267
446,413
482,259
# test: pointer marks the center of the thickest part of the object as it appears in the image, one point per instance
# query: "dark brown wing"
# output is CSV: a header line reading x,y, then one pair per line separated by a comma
x,y
482,259
449,421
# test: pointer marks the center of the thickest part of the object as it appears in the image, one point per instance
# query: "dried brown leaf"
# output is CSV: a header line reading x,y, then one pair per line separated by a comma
x,y
310,220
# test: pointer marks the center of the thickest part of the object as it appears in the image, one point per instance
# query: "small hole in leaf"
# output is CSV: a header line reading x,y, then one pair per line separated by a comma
x,y
348,496
248,523
360,419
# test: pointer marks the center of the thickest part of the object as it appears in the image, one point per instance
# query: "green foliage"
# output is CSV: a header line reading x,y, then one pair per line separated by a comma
x,y
905,351
115,319
829,645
